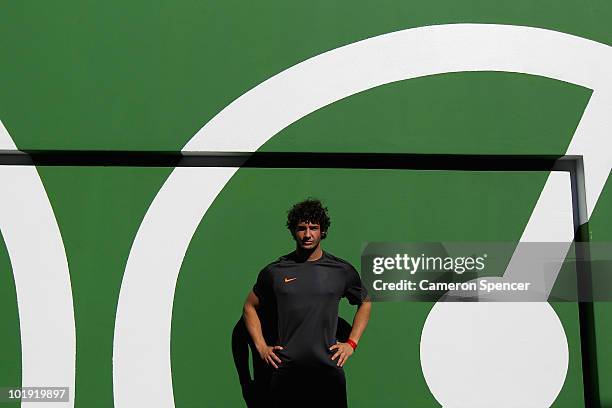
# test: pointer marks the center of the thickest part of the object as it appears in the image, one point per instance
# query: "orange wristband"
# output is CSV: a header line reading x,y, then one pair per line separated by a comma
x,y
352,344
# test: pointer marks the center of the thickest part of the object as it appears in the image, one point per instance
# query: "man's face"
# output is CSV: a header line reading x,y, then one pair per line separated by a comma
x,y
308,235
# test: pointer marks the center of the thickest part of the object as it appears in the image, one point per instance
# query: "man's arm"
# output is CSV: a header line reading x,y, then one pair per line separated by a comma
x,y
360,321
253,325
251,319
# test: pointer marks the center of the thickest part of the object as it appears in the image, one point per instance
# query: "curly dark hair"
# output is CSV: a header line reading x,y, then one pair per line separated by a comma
x,y
309,210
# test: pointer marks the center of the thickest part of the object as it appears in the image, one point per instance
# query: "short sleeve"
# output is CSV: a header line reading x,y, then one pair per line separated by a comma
x,y
263,285
354,290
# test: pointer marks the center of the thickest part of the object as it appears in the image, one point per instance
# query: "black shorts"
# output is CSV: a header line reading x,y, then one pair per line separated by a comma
x,y
298,387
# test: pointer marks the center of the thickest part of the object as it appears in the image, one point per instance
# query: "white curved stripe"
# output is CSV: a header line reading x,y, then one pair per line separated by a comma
x,y
593,140
42,280
144,308
148,351
551,221
254,117
6,142
484,355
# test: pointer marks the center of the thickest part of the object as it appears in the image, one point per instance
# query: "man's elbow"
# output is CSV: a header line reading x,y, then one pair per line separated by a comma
x,y
366,305
250,305
247,309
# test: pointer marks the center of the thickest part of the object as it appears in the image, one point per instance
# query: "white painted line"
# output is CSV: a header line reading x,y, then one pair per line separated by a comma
x,y
42,279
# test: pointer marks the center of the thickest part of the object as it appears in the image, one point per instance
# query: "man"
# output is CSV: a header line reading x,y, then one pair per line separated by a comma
x,y
255,383
299,294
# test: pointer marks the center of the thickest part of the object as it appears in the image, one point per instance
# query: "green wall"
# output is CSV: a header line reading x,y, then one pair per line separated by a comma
x,y
148,75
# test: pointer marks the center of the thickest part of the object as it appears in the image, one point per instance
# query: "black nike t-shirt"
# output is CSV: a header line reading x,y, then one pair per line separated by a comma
x,y
303,298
